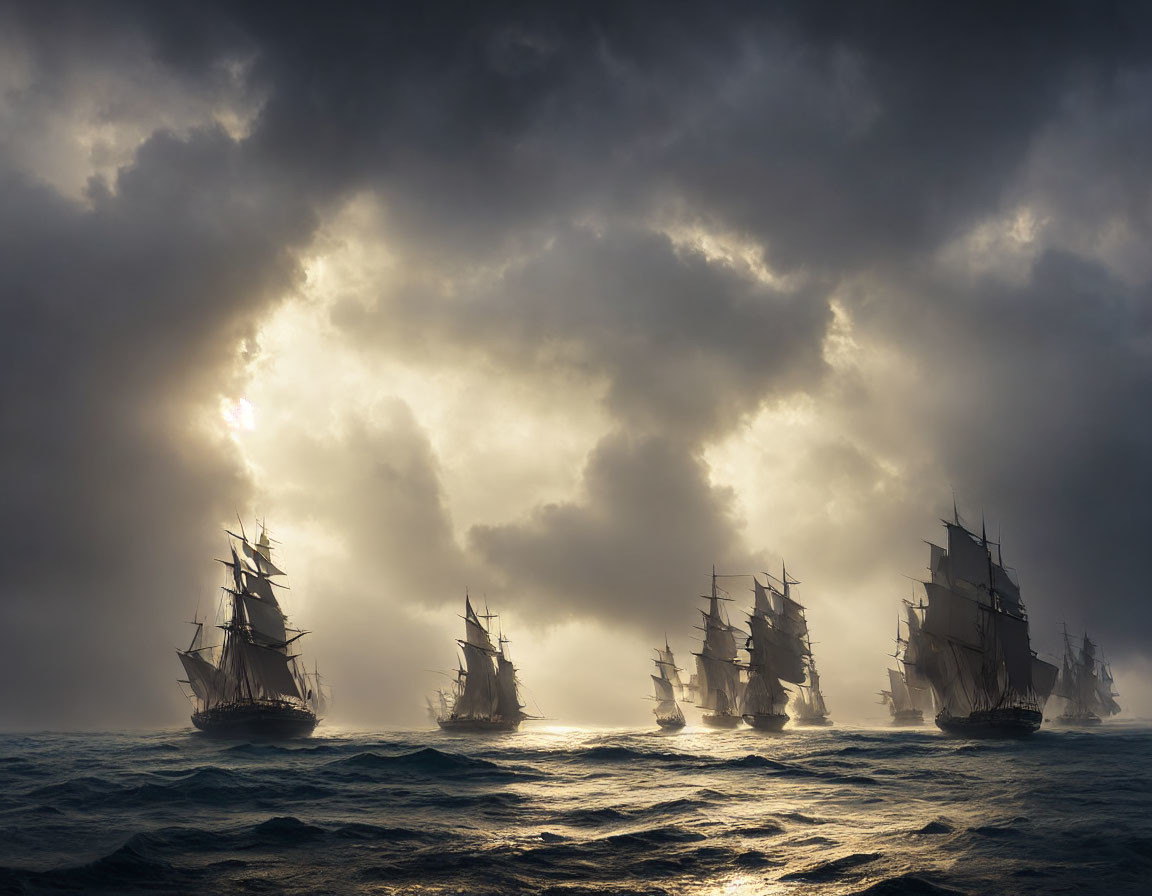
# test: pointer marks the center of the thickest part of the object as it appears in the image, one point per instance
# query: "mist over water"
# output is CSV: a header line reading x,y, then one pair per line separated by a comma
x,y
579,811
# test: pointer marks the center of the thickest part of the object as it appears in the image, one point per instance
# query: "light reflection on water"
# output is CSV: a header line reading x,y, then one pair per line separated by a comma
x,y
573,811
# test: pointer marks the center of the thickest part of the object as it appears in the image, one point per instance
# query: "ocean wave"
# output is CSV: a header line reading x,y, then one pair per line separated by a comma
x,y
134,866
655,837
592,817
831,870
906,885
427,761
753,760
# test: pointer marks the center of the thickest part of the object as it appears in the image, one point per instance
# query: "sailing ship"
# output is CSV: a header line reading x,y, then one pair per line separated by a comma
x,y
717,675
972,642
776,653
909,694
668,687
1085,684
485,695
251,685
811,710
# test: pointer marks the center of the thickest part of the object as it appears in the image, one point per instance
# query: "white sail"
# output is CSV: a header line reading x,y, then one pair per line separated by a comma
x,y
260,563
474,631
762,605
668,668
664,692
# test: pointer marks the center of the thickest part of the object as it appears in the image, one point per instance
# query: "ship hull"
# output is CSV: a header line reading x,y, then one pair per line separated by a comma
x,y
479,726
908,717
1017,722
670,724
719,720
262,721
1074,720
813,722
766,721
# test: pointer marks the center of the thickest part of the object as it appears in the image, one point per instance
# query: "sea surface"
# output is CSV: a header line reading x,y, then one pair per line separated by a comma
x,y
578,811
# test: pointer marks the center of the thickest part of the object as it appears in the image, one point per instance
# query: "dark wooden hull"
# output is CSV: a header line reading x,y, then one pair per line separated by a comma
x,y
908,717
479,726
670,724
766,721
1012,722
719,720
256,721
1074,720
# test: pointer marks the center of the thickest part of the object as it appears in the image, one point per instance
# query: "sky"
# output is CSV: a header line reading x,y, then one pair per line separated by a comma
x,y
563,305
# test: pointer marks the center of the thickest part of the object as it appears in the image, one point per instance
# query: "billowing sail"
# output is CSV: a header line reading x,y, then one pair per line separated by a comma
x,y
782,651
486,693
266,621
898,690
717,673
971,645
261,588
718,683
254,668
202,676
669,669
268,671
475,633
763,695
479,697
508,700
1085,683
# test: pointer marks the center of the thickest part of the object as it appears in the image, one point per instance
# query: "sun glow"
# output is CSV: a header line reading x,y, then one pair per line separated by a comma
x,y
238,414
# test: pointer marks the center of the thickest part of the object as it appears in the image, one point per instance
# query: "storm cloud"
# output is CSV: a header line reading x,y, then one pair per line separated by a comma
x,y
563,305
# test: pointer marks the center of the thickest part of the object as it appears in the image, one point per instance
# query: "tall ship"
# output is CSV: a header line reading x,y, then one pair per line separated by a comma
x,y
1085,684
777,652
972,642
808,704
668,687
252,685
485,695
718,684
909,694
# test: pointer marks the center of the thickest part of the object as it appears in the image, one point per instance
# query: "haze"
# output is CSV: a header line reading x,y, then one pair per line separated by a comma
x,y
562,307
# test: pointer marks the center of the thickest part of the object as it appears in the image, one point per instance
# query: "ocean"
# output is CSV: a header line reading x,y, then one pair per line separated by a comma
x,y
578,811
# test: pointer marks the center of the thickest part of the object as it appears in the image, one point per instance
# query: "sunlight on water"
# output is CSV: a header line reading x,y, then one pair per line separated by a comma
x,y
579,811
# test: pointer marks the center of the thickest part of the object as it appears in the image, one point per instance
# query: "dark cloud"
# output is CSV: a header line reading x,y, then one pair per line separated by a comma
x,y
120,321
531,162
1038,387
648,525
686,345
